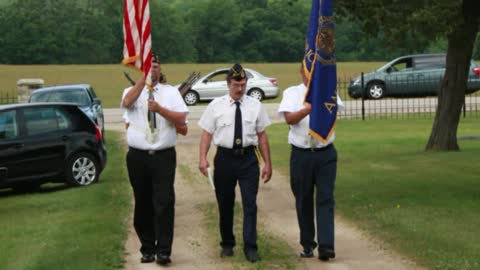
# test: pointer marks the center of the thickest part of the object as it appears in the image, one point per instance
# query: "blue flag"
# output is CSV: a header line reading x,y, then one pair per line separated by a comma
x,y
319,65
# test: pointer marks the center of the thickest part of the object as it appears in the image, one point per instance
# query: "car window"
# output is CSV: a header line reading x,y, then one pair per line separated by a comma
x,y
8,125
63,120
92,93
401,65
431,62
77,96
249,75
40,120
217,77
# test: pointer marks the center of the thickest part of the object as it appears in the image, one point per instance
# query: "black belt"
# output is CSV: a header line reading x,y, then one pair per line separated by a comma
x,y
150,152
320,149
236,152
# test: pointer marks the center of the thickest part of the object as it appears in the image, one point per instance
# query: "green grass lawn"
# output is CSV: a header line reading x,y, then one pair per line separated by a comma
x,y
68,228
109,81
425,205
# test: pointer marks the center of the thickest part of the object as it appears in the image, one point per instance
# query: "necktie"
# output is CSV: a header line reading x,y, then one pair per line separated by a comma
x,y
151,115
237,138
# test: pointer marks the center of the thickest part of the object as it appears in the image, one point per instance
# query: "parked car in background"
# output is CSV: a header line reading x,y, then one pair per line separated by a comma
x,y
49,142
409,76
214,85
81,94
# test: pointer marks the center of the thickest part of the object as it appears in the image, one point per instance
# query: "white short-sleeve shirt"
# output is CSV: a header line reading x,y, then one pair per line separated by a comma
x,y
166,136
218,119
124,115
292,101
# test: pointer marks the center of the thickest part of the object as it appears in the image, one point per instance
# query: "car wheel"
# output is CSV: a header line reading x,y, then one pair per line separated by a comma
x,y
82,170
256,93
375,90
191,98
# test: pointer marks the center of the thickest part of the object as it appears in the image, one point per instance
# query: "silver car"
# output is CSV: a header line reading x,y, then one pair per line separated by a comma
x,y
214,85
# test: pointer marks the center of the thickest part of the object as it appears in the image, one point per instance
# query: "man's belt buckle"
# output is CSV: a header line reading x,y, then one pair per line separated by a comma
x,y
151,152
238,152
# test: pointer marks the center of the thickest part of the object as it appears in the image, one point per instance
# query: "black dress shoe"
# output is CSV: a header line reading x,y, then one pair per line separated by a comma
x,y
326,254
163,259
251,255
147,258
307,253
226,252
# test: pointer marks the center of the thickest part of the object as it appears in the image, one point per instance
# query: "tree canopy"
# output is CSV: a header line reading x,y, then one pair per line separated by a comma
x,y
87,31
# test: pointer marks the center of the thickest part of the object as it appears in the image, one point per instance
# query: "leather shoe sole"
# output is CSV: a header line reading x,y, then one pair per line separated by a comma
x,y
326,254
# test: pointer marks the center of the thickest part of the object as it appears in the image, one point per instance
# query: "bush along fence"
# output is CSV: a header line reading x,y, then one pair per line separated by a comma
x,y
400,98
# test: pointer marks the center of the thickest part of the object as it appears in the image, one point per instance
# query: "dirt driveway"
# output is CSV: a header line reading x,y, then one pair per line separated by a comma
x,y
276,207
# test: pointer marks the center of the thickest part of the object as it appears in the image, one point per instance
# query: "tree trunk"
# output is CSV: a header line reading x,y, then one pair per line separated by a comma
x,y
451,96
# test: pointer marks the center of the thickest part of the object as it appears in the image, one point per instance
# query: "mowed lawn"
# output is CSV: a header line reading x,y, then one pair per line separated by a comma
x,y
69,228
424,205
109,81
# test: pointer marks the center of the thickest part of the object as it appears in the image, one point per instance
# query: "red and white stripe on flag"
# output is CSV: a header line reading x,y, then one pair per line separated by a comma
x,y
137,49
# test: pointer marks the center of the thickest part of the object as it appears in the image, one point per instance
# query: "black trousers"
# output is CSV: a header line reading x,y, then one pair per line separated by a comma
x,y
310,171
230,168
152,178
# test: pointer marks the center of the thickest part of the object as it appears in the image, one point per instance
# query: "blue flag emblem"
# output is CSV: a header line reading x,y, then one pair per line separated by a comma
x,y
319,65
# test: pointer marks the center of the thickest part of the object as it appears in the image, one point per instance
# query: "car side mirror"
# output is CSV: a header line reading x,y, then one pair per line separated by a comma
x,y
205,81
97,101
389,70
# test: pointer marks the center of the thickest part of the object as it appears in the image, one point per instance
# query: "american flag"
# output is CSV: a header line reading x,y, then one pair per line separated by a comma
x,y
137,50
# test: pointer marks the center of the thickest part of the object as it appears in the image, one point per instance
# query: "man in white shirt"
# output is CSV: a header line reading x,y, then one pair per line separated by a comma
x,y
313,165
236,123
151,162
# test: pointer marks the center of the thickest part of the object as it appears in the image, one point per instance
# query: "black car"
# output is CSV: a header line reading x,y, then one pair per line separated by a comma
x,y
49,142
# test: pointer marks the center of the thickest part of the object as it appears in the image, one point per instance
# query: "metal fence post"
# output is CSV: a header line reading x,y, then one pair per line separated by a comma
x,y
363,98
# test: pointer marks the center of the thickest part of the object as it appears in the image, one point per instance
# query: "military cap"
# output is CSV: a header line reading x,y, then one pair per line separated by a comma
x,y
236,72
155,58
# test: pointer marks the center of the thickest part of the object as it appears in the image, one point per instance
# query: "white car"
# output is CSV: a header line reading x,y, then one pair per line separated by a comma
x,y
214,84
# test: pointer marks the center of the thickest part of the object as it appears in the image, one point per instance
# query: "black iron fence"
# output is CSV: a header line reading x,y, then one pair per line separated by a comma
x,y
387,107
7,98
411,103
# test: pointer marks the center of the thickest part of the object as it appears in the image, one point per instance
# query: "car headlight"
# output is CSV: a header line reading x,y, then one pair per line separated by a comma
x,y
356,82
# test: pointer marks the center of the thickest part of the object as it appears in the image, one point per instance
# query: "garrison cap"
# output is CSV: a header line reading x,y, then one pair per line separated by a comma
x,y
155,58
236,72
